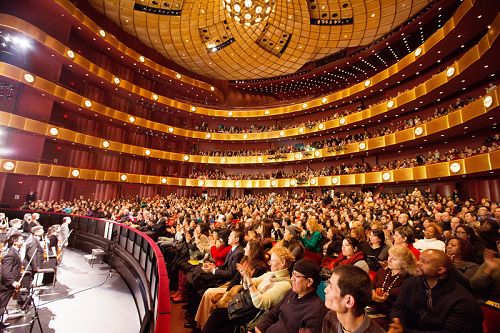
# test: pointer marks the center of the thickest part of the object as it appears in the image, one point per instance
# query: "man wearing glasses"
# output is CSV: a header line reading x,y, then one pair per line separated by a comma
x,y
301,310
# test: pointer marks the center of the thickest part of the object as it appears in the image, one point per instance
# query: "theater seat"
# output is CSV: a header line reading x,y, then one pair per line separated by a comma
x,y
313,256
491,314
372,275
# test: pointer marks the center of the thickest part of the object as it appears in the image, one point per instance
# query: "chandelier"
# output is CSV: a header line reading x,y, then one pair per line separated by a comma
x,y
248,12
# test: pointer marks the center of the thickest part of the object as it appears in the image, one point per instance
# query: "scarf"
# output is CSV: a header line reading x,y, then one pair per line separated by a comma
x,y
342,260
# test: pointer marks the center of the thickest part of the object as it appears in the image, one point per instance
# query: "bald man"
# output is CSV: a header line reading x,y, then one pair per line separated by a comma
x,y
434,301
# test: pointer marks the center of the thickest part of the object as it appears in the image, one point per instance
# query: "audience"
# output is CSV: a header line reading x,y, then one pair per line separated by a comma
x,y
388,281
331,225
434,301
300,308
347,295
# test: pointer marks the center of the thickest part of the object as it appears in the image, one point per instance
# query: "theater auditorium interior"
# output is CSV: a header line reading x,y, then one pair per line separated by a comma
x,y
196,145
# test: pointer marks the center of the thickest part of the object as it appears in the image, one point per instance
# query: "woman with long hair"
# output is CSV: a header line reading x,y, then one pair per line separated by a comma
x,y
403,236
375,249
460,253
466,233
312,236
265,291
253,261
401,263
333,244
352,254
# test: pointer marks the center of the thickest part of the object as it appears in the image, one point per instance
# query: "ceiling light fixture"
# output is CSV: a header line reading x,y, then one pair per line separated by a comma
x,y
248,12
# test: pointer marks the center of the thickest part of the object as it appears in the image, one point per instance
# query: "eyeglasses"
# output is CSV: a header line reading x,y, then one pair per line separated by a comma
x,y
295,275
271,261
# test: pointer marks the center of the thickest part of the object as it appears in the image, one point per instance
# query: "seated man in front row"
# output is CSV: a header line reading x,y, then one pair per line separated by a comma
x,y
434,301
301,310
348,292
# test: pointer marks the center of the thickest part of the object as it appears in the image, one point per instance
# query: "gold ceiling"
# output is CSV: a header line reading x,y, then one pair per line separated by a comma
x,y
198,35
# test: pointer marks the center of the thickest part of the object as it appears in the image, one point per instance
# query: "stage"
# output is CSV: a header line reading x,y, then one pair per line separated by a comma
x,y
84,299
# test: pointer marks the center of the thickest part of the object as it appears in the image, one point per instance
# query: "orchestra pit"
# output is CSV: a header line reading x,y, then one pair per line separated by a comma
x,y
249,166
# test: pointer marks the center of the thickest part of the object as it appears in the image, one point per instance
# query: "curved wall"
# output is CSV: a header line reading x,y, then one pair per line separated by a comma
x,y
135,257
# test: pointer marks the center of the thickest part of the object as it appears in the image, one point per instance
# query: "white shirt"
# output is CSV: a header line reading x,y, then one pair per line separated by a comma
x,y
429,244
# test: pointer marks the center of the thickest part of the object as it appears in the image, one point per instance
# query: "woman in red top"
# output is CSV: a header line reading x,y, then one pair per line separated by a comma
x,y
219,251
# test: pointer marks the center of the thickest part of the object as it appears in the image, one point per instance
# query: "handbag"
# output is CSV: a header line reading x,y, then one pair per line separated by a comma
x,y
241,309
222,300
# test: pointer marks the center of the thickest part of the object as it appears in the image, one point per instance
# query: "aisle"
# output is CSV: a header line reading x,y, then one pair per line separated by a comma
x,y
98,301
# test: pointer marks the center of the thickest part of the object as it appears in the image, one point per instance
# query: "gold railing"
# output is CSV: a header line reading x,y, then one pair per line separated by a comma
x,y
467,166
438,80
487,104
314,103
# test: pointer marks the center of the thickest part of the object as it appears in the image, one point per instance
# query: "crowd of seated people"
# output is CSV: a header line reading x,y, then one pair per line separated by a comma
x,y
242,250
490,144
397,126
333,143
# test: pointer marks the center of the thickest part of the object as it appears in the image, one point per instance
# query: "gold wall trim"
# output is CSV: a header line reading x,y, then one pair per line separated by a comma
x,y
472,55
441,33
441,124
467,166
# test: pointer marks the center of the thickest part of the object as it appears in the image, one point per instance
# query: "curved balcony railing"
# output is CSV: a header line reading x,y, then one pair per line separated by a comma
x,y
481,163
452,73
113,42
132,253
487,105
320,102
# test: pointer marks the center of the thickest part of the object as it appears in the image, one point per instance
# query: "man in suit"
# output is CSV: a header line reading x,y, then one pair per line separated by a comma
x,y
213,276
64,231
11,273
34,249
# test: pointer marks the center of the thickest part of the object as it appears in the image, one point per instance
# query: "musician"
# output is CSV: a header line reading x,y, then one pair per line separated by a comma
x,y
64,231
34,248
15,227
11,273
52,240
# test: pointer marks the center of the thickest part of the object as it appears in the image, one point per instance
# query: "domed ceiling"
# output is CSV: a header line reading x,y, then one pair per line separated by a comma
x,y
204,37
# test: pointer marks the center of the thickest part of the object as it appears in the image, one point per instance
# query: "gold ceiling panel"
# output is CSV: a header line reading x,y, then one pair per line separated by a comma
x,y
314,28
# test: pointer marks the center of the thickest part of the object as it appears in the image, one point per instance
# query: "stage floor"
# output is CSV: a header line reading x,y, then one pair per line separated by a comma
x,y
84,299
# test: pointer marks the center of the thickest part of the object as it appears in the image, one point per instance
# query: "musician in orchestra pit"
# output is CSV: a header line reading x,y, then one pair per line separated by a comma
x,y
15,227
34,248
11,273
52,240
64,231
